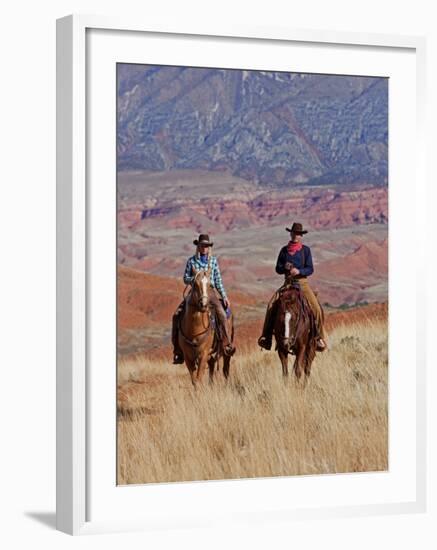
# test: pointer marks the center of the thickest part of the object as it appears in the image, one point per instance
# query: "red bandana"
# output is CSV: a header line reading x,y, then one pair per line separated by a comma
x,y
293,247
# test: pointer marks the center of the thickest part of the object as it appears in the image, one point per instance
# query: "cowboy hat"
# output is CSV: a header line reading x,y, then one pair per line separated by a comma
x,y
203,239
296,228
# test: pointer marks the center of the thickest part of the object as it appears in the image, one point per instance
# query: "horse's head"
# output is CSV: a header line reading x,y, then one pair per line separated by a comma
x,y
200,287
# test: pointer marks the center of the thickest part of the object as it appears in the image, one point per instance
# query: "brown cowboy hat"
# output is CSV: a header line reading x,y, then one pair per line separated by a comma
x,y
203,239
296,228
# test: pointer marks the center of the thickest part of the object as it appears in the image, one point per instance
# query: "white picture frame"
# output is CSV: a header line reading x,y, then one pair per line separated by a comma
x,y
74,340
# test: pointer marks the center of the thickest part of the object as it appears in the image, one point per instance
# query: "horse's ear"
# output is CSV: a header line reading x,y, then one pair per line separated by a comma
x,y
194,270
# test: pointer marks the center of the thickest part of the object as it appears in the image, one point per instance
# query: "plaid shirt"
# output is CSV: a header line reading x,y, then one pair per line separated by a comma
x,y
199,263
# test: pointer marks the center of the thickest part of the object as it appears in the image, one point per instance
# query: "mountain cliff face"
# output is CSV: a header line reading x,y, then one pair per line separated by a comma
x,y
160,214
321,209
272,128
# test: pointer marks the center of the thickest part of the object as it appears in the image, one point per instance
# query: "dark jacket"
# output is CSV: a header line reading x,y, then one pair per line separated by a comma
x,y
302,260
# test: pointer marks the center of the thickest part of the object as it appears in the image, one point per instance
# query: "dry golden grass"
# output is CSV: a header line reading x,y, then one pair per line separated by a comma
x,y
256,425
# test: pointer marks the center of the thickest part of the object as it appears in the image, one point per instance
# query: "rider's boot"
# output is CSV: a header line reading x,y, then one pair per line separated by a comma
x,y
178,357
321,345
265,342
229,349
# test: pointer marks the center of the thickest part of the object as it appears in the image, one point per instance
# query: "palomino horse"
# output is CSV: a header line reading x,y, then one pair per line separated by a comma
x,y
295,331
197,338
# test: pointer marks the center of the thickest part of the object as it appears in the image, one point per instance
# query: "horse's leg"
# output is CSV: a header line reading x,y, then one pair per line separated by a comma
x,y
226,366
211,367
299,361
201,366
309,358
283,356
187,351
191,366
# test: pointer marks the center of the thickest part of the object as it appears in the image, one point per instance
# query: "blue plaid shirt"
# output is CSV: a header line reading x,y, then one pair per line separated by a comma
x,y
201,262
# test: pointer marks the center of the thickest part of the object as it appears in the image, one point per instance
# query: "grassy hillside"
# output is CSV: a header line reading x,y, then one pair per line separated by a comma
x,y
257,425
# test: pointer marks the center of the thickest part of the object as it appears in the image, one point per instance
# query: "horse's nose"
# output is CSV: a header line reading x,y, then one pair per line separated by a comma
x,y
286,342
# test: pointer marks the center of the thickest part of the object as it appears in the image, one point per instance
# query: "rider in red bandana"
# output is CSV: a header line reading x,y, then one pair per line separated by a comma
x,y
295,260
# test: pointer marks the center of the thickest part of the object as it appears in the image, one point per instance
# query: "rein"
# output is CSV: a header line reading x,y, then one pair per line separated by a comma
x,y
196,341
199,338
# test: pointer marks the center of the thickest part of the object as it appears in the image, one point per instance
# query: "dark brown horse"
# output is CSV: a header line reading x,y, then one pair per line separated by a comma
x,y
295,331
198,334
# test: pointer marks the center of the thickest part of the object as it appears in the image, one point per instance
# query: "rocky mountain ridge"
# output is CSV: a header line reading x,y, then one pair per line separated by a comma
x,y
274,128
322,207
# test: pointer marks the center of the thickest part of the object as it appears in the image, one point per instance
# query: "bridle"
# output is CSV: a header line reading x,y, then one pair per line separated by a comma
x,y
202,304
202,307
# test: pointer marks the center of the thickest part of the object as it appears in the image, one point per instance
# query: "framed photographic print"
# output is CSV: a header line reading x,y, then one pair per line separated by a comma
x,y
238,328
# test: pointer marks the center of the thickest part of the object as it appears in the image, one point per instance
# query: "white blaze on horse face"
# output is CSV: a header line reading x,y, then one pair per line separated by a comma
x,y
287,324
204,290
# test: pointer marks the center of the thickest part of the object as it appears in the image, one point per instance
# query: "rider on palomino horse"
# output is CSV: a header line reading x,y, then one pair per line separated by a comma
x,y
295,262
202,259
